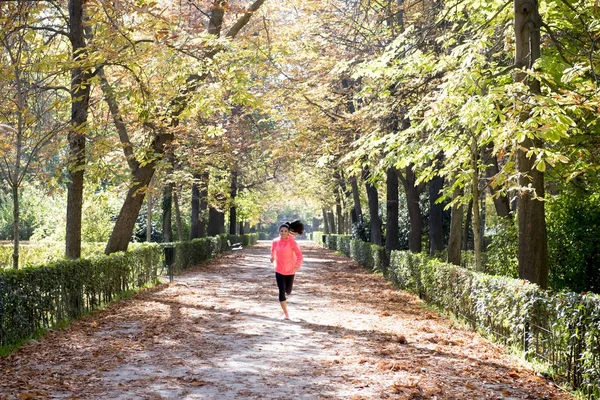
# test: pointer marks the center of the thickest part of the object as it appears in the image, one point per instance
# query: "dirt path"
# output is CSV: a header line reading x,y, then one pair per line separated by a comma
x,y
214,334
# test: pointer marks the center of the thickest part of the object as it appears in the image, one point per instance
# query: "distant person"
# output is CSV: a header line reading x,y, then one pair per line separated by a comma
x,y
287,258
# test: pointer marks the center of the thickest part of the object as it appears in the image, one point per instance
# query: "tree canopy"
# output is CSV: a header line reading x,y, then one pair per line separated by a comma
x,y
236,107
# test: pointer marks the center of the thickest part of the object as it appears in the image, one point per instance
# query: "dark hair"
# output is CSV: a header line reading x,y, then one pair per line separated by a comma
x,y
296,226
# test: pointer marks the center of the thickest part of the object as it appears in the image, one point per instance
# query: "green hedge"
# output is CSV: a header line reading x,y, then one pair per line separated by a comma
x,y
366,254
34,298
264,236
40,253
38,297
561,330
198,251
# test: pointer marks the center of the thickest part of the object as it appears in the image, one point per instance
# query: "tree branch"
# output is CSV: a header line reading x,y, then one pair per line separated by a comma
x,y
244,19
113,106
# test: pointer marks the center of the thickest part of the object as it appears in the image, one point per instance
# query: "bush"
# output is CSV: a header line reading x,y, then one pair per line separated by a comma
x,y
361,252
343,244
35,298
573,221
361,230
331,242
381,259
38,297
502,252
563,328
318,237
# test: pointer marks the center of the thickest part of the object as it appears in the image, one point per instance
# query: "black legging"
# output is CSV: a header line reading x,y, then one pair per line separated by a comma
x,y
284,283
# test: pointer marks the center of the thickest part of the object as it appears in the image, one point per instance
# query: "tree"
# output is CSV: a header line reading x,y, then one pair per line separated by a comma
x,y
391,230
533,247
163,131
80,101
30,110
436,213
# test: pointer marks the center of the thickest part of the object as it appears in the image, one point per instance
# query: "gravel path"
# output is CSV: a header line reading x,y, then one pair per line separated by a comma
x,y
215,334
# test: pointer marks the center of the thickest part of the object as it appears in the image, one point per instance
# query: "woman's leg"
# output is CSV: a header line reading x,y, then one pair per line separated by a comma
x,y
281,285
289,283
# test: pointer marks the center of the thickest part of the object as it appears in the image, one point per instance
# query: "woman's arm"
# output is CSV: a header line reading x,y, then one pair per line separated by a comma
x,y
298,253
272,251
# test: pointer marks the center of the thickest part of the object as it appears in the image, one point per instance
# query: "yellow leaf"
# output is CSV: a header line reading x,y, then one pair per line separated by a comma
x,y
541,166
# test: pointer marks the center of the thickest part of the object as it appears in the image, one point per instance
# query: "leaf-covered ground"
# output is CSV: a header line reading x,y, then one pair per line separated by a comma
x,y
215,334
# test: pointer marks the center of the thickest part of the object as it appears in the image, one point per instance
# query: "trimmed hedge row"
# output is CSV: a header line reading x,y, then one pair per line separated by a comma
x,y
561,330
366,254
197,251
34,298
38,297
45,252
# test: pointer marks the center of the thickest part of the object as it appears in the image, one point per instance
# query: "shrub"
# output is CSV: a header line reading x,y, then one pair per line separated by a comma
x,y
563,329
361,230
381,259
331,242
502,252
361,252
34,298
38,297
573,220
317,237
343,244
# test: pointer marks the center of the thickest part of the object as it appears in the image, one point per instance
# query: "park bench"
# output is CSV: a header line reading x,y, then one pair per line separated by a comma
x,y
235,246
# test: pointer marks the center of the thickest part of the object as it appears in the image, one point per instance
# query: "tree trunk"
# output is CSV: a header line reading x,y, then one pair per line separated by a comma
x,y
325,222
233,209
215,221
195,218
149,218
121,234
80,99
392,241
350,216
436,215
492,169
167,203
475,202
16,175
533,246
178,221
203,214
414,209
466,239
339,216
16,221
373,198
356,198
332,227
454,241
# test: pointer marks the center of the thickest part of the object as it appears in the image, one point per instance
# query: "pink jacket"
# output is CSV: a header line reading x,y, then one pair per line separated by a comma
x,y
287,255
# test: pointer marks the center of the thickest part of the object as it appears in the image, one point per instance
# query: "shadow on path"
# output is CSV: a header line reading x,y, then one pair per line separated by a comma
x,y
215,334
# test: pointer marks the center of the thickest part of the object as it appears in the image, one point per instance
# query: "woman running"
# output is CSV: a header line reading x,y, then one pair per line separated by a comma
x,y
287,257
